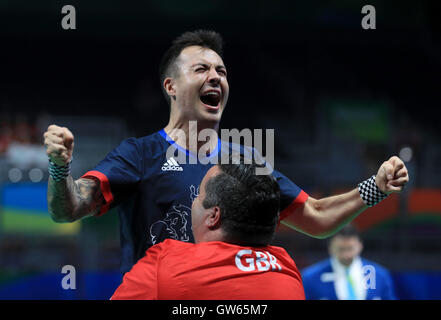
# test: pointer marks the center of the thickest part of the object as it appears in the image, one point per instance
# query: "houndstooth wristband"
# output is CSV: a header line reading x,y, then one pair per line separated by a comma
x,y
370,193
57,172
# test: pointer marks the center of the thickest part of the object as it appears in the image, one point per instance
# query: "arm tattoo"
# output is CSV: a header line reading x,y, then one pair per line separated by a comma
x,y
89,196
70,200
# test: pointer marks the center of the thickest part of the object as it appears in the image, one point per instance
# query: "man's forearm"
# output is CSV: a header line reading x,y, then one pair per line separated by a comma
x,y
336,211
322,218
61,199
70,200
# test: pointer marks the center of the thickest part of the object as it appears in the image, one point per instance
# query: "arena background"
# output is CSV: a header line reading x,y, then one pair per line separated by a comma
x,y
341,100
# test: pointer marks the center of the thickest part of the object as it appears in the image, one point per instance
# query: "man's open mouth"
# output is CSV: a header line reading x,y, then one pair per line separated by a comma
x,y
211,98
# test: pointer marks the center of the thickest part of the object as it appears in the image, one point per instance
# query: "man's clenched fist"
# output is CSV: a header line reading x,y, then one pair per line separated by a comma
x,y
59,143
392,175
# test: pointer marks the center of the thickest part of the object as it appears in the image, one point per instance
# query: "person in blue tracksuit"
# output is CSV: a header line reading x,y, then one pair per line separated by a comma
x,y
345,275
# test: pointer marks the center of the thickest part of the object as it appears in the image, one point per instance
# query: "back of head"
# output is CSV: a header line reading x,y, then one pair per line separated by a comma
x,y
348,231
249,203
203,38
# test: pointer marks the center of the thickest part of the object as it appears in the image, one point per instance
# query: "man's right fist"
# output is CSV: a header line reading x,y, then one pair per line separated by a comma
x,y
59,143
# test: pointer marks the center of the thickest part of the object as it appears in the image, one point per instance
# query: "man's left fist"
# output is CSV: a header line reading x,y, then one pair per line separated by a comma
x,y
392,175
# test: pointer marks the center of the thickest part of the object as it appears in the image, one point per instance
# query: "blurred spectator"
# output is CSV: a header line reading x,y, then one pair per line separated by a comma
x,y
5,133
345,275
20,142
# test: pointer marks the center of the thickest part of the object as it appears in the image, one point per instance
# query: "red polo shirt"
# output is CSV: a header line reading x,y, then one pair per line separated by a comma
x,y
176,270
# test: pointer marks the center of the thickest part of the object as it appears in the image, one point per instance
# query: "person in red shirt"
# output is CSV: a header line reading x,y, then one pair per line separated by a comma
x,y
234,219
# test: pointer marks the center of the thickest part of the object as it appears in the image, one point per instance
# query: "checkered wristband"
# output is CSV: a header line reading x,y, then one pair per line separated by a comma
x,y
57,172
370,193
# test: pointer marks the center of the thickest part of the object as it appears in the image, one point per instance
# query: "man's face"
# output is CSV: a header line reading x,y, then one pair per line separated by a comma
x,y
198,212
345,249
200,85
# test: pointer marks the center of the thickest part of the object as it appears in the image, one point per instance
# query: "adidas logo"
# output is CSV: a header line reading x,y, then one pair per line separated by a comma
x,y
171,165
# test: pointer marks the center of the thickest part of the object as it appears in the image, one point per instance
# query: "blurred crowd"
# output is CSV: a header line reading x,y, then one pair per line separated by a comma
x,y
21,143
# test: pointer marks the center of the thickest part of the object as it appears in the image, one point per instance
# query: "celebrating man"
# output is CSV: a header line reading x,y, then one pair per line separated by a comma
x,y
155,192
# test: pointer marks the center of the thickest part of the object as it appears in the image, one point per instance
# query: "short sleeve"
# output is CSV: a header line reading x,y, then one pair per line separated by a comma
x,y
141,282
291,196
119,173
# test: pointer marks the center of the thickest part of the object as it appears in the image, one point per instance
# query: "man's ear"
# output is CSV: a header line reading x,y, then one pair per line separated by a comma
x,y
169,86
213,218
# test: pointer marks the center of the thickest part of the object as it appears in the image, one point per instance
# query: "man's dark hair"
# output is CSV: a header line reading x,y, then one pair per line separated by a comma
x,y
249,203
348,231
203,38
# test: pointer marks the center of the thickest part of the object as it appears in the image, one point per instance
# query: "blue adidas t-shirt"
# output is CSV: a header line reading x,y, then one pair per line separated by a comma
x,y
155,193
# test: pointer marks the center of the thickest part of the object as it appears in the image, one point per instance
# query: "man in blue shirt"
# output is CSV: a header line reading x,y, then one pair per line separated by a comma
x,y
154,191
346,275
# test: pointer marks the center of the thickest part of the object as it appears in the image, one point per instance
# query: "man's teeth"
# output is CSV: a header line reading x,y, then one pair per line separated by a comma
x,y
212,94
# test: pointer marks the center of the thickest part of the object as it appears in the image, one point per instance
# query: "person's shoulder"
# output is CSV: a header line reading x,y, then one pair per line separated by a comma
x,y
151,145
276,249
316,268
171,246
175,243
128,142
377,267
152,138
133,142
